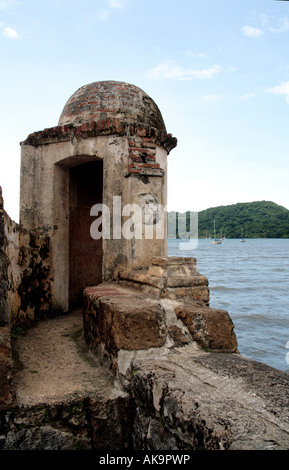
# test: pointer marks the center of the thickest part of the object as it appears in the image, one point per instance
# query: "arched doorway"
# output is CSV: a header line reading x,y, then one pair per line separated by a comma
x,y
85,253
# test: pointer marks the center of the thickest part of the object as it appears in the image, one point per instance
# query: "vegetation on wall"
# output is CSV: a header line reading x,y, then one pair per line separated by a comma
x,y
261,219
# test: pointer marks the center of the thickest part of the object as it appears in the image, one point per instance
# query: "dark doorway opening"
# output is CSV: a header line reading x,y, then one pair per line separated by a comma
x,y
85,253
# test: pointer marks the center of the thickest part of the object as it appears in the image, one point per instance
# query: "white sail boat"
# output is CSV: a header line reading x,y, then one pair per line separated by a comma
x,y
242,239
216,241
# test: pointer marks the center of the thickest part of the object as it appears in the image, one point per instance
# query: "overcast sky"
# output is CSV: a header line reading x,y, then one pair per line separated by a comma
x,y
217,69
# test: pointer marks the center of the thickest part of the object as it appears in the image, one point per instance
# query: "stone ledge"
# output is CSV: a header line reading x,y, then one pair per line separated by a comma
x,y
172,277
119,320
105,126
208,401
83,423
121,324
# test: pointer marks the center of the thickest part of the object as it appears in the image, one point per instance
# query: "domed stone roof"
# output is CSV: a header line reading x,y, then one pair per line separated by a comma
x,y
111,99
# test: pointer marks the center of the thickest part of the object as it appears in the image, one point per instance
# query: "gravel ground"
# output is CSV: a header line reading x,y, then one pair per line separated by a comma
x,y
52,362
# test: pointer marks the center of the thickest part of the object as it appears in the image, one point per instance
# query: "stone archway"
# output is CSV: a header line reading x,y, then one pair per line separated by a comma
x,y
85,253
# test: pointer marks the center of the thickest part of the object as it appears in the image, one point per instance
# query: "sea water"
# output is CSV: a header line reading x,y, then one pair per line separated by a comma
x,y
250,280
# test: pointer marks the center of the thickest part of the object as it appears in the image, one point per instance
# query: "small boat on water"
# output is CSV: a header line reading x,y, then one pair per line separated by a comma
x,y
216,241
242,238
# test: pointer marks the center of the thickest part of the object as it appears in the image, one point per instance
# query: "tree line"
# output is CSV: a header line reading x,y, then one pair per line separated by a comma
x,y
260,219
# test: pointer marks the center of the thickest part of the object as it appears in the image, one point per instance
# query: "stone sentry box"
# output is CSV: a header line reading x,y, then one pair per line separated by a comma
x,y
110,142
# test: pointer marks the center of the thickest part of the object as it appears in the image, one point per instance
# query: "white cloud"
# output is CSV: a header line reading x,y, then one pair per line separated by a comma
x,y
247,96
232,69
213,97
10,33
115,3
197,54
171,71
283,27
252,32
102,15
264,19
5,4
282,89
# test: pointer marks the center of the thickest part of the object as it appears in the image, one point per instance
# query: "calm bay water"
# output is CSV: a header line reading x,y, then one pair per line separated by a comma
x,y
251,282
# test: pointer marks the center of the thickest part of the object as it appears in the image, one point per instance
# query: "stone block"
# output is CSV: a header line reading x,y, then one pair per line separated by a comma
x,y
212,329
175,278
122,322
189,293
132,323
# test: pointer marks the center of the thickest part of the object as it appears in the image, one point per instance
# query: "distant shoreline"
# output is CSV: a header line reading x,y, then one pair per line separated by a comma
x,y
245,238
260,219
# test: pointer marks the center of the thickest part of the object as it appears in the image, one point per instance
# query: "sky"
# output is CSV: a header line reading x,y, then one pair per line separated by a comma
x,y
218,70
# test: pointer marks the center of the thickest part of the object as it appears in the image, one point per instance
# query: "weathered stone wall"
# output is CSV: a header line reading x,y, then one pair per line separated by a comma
x,y
5,343
24,288
25,272
4,309
87,423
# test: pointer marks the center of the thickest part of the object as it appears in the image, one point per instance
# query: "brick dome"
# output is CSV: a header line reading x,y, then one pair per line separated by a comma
x,y
107,99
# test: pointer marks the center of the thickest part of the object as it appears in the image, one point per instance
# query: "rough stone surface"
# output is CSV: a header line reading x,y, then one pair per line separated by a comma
x,y
102,100
132,323
43,438
205,401
6,395
119,319
175,278
5,344
4,307
210,328
28,272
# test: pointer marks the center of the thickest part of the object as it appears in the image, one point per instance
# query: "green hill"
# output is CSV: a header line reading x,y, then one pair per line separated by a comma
x,y
261,219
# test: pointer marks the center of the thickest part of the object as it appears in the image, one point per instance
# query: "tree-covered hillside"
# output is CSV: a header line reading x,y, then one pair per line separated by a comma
x,y
261,219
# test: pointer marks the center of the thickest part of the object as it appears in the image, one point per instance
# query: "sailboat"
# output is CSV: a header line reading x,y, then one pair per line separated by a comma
x,y
242,239
216,241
